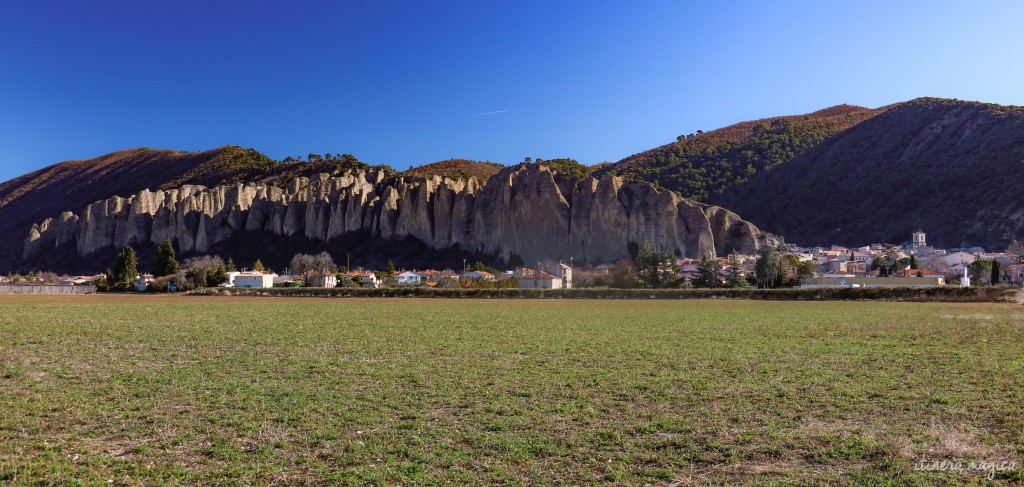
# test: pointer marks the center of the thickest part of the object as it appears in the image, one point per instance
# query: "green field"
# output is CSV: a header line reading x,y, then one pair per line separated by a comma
x,y
158,390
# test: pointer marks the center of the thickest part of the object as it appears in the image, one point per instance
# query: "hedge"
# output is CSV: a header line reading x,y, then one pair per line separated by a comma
x,y
943,294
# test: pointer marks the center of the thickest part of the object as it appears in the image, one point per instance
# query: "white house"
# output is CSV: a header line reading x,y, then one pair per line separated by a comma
x,y
958,258
408,277
531,279
566,272
328,279
254,279
231,278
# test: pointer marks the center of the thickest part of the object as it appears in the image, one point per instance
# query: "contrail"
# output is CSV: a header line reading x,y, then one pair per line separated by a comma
x,y
490,113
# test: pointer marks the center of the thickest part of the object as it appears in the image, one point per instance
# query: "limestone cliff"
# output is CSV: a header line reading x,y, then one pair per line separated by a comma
x,y
526,210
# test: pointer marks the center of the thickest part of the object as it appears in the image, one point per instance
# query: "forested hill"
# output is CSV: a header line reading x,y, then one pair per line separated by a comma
x,y
955,168
457,169
702,165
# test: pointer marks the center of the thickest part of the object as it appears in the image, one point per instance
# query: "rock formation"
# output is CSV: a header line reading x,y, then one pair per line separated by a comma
x,y
527,211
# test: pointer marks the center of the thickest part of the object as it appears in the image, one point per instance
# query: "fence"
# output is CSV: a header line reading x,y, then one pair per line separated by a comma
x,y
45,289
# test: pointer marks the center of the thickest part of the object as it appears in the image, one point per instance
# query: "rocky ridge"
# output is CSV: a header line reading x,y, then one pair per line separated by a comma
x,y
525,211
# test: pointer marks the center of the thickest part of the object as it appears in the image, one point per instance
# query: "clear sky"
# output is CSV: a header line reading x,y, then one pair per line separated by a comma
x,y
408,83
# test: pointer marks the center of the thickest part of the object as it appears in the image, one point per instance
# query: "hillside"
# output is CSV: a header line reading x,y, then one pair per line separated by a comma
x,y
457,169
536,215
952,167
702,165
71,185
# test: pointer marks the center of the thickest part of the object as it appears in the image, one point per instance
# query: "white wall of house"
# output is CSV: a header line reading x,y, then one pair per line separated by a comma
x,y
408,278
329,280
553,283
254,280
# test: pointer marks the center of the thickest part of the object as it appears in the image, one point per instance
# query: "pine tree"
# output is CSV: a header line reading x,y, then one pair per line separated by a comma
x,y
126,270
709,273
164,263
229,266
389,268
657,269
258,266
735,279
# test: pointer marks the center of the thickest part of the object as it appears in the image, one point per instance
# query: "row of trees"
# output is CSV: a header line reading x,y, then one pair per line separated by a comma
x,y
988,271
200,271
655,269
775,269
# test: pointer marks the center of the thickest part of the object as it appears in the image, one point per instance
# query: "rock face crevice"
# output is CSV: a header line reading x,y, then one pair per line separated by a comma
x,y
526,210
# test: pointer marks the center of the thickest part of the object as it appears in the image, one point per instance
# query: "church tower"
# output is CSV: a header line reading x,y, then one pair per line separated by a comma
x,y
919,241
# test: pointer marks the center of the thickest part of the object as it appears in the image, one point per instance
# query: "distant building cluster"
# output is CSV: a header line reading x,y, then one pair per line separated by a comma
x,y
914,264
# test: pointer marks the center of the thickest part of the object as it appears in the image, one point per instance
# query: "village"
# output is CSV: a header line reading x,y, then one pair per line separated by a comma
x,y
913,264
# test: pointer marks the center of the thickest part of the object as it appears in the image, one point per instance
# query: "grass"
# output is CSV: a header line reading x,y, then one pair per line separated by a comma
x,y
161,390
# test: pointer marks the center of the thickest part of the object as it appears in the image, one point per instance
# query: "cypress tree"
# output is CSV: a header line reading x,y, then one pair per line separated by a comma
x,y
995,271
767,266
126,270
164,263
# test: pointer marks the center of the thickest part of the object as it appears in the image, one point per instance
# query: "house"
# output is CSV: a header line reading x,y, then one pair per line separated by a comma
x,y
566,275
862,256
481,275
531,279
918,273
285,280
857,267
1014,273
1003,258
231,278
364,279
78,280
688,269
409,277
955,258
429,275
254,279
327,279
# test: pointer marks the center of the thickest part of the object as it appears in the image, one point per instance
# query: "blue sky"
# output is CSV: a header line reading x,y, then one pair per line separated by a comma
x,y
405,83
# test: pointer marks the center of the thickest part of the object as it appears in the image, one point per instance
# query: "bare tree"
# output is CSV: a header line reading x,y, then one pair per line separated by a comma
x,y
623,275
1016,250
312,267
